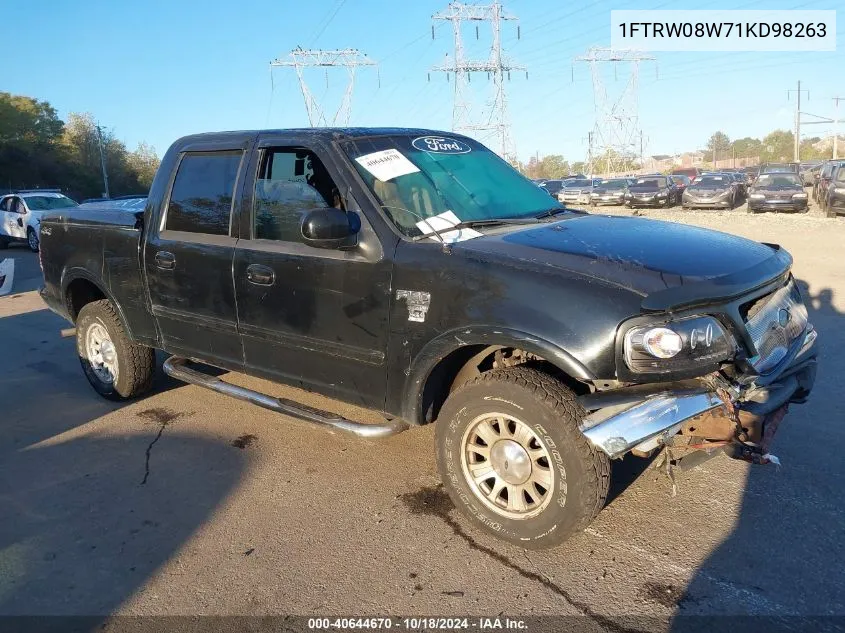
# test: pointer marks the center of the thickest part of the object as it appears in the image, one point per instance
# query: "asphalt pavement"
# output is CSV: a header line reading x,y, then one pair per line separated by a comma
x,y
188,502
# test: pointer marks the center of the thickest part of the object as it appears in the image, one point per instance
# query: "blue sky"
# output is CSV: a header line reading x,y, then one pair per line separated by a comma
x,y
155,70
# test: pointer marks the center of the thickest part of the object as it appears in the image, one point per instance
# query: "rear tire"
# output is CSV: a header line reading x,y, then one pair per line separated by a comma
x,y
557,481
32,240
116,368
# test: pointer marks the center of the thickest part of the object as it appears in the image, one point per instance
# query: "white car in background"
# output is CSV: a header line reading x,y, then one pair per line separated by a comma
x,y
20,214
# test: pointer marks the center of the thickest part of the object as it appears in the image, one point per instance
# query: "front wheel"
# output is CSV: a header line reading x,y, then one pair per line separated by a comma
x,y
117,368
513,460
32,239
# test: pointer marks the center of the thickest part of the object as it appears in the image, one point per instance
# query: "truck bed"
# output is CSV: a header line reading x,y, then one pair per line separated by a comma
x,y
103,238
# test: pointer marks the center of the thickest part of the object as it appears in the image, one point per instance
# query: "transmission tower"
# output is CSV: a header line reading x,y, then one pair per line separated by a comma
x,y
496,67
616,135
349,58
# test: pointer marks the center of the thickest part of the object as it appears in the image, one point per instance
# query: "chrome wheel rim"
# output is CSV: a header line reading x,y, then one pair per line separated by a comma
x,y
101,353
507,466
33,240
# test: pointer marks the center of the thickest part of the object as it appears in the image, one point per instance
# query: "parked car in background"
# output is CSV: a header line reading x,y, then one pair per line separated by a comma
x,y
778,168
576,190
777,192
710,191
690,172
20,214
750,174
741,185
655,190
610,191
823,181
552,187
835,200
127,203
681,182
807,171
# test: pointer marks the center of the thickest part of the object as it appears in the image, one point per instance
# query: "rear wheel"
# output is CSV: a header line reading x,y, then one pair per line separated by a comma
x,y
513,460
32,239
117,368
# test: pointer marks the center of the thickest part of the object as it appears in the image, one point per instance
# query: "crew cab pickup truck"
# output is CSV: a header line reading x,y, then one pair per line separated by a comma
x,y
415,273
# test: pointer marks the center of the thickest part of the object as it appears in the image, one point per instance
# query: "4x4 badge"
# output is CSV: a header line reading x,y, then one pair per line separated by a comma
x,y
418,303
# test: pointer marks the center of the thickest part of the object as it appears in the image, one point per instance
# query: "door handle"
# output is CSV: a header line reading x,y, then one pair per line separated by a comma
x,y
165,260
260,275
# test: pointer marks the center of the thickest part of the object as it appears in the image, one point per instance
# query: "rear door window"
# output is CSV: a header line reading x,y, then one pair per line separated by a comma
x,y
203,192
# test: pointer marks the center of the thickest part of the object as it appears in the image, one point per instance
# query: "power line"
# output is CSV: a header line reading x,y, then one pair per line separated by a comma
x,y
496,66
616,129
349,58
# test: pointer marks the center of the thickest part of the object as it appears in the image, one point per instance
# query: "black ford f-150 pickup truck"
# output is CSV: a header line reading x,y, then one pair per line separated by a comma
x,y
416,273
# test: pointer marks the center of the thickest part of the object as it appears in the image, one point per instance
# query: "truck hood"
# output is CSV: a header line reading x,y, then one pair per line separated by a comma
x,y
670,265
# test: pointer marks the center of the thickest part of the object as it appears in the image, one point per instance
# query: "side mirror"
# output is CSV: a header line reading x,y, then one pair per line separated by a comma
x,y
330,228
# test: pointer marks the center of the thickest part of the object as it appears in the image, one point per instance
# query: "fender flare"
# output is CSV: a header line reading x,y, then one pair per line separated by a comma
x,y
72,274
452,340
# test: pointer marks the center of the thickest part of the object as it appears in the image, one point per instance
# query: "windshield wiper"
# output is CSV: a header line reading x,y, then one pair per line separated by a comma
x,y
469,224
548,213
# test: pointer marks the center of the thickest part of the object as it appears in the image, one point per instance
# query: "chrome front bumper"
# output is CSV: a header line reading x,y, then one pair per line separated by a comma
x,y
648,422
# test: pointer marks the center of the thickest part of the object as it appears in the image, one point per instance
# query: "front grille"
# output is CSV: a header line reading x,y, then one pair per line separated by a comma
x,y
774,322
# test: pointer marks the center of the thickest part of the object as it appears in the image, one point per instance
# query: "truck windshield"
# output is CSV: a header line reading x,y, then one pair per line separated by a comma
x,y
417,178
45,203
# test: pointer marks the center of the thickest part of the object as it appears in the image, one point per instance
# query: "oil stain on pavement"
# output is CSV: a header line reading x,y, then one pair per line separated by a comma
x,y
434,501
162,417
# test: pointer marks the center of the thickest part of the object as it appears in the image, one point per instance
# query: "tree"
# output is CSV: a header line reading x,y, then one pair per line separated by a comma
x,y
719,144
38,150
778,146
552,166
746,147
27,121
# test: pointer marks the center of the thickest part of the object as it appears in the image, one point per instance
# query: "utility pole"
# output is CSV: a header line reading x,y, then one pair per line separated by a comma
x,y
103,161
836,101
496,67
349,58
617,121
642,156
590,153
797,132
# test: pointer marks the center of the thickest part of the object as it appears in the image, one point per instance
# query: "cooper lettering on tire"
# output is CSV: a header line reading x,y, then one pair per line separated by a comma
x,y
513,460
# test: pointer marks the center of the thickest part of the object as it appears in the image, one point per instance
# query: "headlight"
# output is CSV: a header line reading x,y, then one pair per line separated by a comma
x,y
839,190
800,195
661,194
695,344
757,196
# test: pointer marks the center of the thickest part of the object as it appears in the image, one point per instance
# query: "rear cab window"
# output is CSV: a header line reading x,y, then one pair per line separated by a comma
x,y
202,195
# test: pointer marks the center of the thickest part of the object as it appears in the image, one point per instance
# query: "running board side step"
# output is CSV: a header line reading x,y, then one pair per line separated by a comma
x,y
175,367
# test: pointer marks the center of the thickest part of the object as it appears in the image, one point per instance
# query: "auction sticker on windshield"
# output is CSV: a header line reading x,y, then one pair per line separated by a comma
x,y
440,145
386,164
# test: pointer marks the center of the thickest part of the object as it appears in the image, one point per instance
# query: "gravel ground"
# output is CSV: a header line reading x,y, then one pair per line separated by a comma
x,y
187,502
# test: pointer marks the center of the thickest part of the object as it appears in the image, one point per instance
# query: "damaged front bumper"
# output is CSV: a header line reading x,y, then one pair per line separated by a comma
x,y
643,418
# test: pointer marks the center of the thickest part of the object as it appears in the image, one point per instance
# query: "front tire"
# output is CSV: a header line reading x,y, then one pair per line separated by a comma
x,y
116,368
32,240
513,460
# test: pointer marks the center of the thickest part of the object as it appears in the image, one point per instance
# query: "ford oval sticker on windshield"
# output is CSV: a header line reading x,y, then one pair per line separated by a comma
x,y
440,145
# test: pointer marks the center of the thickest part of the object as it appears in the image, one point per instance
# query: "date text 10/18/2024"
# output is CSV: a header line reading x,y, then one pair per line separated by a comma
x,y
419,623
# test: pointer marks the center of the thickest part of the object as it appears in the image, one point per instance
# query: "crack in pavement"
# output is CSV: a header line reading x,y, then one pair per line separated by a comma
x,y
163,417
435,502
